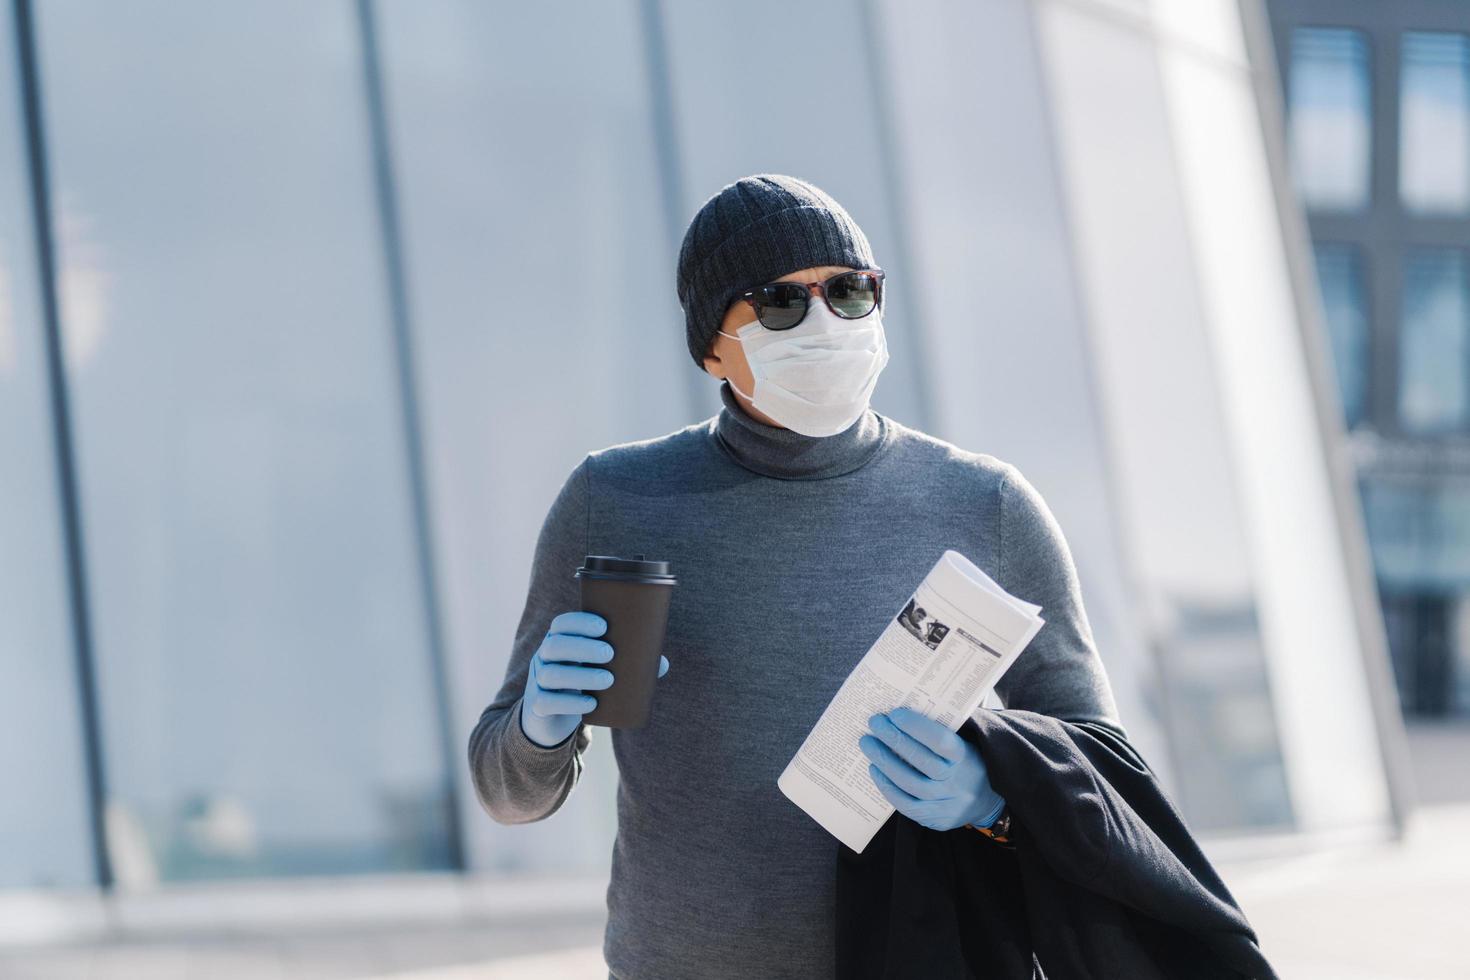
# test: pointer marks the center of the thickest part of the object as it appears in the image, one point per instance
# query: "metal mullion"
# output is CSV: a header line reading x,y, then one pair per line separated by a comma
x,y
1383,249
1415,15
1323,13
1343,478
1335,226
385,187
1398,15
698,393
1446,232
66,467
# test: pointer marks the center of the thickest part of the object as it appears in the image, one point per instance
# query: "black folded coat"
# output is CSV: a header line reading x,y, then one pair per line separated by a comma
x,y
1102,878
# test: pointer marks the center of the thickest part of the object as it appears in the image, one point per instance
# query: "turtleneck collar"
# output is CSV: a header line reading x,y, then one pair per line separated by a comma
x,y
788,455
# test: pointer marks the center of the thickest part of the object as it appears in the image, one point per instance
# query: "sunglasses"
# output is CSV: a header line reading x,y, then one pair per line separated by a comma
x,y
850,295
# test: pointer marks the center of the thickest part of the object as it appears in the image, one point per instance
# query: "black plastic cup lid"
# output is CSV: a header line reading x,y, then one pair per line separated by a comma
x,y
608,565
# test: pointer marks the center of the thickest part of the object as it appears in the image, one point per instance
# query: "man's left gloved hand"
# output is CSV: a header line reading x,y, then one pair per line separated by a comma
x,y
930,774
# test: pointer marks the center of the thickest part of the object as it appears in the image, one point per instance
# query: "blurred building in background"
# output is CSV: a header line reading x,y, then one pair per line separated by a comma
x,y
306,310
1379,106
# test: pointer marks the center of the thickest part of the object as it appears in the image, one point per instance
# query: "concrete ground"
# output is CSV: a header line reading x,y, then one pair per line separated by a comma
x,y
501,950
1388,911
1381,911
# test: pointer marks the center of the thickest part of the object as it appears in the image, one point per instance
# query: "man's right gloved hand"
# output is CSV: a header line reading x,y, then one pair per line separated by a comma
x,y
555,699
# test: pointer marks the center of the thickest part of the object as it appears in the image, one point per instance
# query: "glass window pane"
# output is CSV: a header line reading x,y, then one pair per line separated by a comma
x,y
1340,277
1433,342
1162,381
45,838
526,150
713,122
1328,135
1396,516
1434,120
1420,532
260,633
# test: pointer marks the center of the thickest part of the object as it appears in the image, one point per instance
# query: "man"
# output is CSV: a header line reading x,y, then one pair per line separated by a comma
x,y
795,518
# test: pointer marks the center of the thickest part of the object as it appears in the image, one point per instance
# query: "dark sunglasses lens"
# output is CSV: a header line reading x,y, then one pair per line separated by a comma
x,y
853,295
780,306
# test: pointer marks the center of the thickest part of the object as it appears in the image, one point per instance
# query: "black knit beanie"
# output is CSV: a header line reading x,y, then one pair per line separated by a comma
x,y
755,230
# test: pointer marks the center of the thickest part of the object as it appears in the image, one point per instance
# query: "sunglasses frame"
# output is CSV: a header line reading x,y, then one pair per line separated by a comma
x,y
873,273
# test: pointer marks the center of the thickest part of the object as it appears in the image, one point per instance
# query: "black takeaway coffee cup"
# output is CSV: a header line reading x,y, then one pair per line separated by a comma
x,y
633,596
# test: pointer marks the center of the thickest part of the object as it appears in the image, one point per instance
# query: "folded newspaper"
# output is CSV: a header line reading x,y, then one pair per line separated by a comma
x,y
940,655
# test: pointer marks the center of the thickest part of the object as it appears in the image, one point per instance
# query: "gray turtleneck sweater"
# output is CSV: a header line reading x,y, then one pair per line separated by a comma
x,y
792,552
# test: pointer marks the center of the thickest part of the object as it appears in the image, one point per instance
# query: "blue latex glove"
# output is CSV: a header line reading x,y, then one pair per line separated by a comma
x,y
556,680
930,774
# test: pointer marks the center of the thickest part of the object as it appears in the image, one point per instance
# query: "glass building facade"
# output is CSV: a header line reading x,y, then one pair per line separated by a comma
x,y
1379,102
306,310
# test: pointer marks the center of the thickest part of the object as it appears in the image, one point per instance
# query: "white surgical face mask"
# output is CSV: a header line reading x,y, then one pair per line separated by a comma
x,y
817,377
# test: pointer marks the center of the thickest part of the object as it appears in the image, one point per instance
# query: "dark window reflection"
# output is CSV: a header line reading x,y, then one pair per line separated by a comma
x,y
1419,529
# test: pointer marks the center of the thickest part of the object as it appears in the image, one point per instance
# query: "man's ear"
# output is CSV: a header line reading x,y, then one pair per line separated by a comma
x,y
714,366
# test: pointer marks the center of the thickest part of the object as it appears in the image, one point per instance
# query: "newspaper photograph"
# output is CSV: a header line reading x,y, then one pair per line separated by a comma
x,y
940,654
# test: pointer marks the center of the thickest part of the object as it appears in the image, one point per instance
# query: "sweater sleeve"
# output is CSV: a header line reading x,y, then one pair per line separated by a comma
x,y
1060,673
518,780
